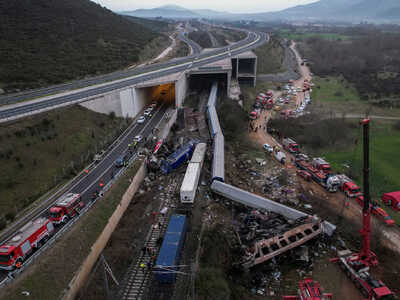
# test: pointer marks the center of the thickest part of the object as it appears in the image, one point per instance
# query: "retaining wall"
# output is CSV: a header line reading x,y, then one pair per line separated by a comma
x,y
80,278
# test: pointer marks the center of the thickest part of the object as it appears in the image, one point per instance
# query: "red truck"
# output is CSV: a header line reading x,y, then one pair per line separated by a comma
x,y
392,199
349,187
378,211
66,208
290,145
322,165
254,115
31,236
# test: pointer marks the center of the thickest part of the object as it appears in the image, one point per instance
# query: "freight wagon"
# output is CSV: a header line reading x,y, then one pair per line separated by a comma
x,y
180,156
168,259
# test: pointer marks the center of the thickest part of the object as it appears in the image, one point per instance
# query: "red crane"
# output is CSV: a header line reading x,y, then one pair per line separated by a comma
x,y
309,290
357,265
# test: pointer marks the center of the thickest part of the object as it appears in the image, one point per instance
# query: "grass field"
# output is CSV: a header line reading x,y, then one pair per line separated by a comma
x,y
50,275
270,57
384,160
337,94
333,89
302,36
40,152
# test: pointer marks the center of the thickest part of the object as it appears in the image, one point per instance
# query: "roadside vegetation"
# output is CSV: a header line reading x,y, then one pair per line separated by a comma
x,y
44,43
234,124
270,57
370,63
46,150
201,37
51,274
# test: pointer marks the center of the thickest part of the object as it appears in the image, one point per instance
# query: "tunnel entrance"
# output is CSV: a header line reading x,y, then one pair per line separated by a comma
x,y
161,94
201,83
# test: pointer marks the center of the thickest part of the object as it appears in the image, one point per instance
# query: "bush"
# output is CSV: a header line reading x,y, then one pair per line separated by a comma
x,y
211,283
397,125
3,223
10,216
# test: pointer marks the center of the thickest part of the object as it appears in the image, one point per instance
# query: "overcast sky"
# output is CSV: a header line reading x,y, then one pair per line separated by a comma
x,y
221,5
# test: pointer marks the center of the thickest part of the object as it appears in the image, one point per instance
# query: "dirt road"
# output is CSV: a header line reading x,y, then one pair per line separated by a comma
x,y
337,200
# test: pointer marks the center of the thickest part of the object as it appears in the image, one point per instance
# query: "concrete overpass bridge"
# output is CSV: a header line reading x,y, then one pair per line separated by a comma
x,y
126,92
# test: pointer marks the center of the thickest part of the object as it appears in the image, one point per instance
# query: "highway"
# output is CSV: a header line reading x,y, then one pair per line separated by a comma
x,y
105,170
135,76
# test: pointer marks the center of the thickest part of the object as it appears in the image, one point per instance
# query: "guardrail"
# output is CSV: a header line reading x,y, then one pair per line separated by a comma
x,y
69,185
66,227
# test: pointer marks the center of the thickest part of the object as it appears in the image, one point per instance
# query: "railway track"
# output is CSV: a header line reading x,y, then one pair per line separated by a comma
x,y
138,278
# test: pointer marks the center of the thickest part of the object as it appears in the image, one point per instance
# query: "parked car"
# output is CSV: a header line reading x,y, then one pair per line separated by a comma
x,y
141,120
268,148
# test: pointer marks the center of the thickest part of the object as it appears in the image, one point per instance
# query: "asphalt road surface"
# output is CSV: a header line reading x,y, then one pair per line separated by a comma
x,y
173,67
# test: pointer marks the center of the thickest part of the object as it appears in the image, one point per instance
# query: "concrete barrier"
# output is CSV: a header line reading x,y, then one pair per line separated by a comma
x,y
169,122
81,276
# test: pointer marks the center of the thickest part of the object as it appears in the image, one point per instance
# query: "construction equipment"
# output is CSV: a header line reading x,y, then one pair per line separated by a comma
x,y
329,181
356,265
309,290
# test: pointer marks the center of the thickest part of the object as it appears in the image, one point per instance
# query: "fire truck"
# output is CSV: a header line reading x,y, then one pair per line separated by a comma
x,y
30,237
290,145
66,208
377,211
321,164
330,182
309,290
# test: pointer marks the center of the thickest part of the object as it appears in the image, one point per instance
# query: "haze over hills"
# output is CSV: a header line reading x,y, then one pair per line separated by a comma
x,y
323,10
47,42
174,12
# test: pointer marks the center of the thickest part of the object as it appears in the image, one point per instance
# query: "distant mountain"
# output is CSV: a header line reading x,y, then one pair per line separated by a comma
x,y
341,10
210,13
166,11
47,42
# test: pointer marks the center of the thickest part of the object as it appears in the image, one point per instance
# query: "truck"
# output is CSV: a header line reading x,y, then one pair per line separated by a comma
x,y
167,263
254,115
348,186
392,199
329,181
321,164
180,156
280,156
290,145
377,211
66,207
309,290
30,237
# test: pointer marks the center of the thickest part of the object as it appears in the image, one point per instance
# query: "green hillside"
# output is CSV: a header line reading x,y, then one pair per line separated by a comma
x,y
46,42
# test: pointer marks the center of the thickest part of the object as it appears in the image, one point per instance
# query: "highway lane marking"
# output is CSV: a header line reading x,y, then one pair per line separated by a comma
x,y
112,165
104,85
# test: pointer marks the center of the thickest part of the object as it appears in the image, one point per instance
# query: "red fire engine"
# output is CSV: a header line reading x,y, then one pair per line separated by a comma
x,y
66,208
309,290
32,236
